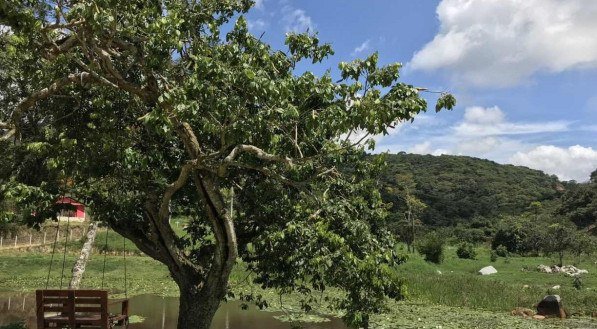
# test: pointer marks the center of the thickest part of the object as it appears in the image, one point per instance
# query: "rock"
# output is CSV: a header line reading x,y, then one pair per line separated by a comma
x,y
526,286
488,270
438,272
556,287
524,312
551,305
568,270
538,317
544,268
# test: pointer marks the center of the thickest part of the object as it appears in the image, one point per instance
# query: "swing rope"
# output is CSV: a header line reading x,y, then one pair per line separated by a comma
x,y
53,252
105,254
64,254
126,295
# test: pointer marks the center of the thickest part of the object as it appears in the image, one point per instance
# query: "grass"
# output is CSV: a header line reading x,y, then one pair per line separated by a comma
x,y
457,298
460,286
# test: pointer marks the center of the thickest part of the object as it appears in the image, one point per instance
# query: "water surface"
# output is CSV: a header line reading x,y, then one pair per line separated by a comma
x,y
162,313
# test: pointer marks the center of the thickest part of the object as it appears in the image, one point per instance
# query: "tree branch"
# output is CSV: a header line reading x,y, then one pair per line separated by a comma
x,y
47,92
174,187
259,153
8,135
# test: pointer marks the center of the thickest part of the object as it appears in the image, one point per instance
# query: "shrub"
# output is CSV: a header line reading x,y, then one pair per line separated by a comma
x,y
432,248
577,282
466,251
493,256
502,251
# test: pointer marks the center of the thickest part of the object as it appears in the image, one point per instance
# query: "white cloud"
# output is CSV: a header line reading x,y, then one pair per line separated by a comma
x,y
296,20
257,25
365,46
500,43
486,132
575,162
491,121
425,148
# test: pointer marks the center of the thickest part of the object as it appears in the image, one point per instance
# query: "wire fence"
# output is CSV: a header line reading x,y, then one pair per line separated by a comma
x,y
39,238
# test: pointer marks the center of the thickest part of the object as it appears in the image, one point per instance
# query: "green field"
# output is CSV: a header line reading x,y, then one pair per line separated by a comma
x,y
456,298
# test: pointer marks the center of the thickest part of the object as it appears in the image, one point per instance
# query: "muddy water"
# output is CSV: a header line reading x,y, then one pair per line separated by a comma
x,y
161,313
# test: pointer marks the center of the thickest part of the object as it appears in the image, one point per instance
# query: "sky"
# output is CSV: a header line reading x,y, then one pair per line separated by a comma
x,y
524,72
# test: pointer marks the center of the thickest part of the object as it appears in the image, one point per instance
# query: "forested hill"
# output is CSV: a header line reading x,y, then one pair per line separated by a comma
x,y
459,188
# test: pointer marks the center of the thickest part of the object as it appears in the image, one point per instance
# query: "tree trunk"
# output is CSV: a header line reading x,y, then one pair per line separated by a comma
x,y
79,267
197,308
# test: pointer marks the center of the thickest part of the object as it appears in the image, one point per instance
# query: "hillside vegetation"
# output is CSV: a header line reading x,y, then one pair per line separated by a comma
x,y
458,189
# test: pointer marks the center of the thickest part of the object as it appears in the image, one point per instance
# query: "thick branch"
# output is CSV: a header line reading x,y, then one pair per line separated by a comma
x,y
47,92
63,26
64,46
173,188
8,135
258,153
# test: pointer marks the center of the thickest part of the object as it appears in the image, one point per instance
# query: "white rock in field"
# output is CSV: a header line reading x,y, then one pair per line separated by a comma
x,y
488,270
438,272
569,270
556,287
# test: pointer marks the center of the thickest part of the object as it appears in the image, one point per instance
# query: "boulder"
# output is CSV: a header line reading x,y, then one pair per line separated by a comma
x,y
544,268
551,305
538,317
488,270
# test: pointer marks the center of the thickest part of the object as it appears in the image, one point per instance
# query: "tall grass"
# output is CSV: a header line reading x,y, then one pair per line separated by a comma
x,y
517,283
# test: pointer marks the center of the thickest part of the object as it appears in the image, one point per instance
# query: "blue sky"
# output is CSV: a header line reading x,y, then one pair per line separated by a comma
x,y
524,72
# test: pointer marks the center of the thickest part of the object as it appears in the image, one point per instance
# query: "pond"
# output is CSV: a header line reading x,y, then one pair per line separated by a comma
x,y
162,313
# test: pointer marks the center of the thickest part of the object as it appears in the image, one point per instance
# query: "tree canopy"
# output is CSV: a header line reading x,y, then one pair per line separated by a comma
x,y
141,107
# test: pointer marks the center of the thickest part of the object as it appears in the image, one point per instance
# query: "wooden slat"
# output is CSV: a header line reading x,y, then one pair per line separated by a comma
x,y
55,309
71,303
88,309
54,300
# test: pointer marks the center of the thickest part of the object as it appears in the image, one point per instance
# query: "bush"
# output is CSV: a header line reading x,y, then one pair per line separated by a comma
x,y
466,251
502,251
577,282
493,256
432,248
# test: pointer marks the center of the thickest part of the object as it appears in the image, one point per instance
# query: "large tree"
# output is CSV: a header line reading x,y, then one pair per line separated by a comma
x,y
140,107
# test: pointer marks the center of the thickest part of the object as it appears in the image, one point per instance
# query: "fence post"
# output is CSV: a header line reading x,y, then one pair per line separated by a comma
x,y
30,239
16,239
44,237
1,238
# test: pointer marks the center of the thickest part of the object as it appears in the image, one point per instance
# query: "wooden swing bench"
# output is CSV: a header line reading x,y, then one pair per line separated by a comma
x,y
78,309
